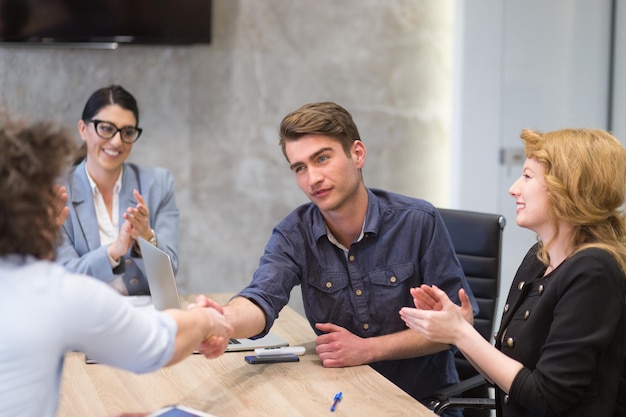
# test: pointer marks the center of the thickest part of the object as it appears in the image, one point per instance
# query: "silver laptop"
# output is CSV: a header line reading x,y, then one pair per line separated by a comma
x,y
164,295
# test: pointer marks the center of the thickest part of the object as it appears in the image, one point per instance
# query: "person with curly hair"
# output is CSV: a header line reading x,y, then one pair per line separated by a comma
x,y
46,311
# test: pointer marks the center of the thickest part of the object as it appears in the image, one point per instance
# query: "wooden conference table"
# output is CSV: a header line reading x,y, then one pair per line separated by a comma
x,y
230,387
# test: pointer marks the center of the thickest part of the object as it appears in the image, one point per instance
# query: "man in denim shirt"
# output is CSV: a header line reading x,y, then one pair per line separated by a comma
x,y
355,252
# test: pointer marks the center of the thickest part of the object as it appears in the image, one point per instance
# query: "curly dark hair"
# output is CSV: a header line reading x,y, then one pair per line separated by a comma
x,y
33,156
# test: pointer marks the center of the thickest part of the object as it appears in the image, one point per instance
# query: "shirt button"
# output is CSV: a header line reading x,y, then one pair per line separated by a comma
x,y
510,342
351,258
358,292
506,308
134,281
541,288
526,314
366,326
506,399
520,286
128,262
329,284
393,279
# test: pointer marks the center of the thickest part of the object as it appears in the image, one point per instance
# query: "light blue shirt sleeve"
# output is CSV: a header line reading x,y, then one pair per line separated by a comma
x,y
47,312
111,331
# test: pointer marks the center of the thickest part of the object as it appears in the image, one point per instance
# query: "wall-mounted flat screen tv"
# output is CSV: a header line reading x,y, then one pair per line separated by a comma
x,y
120,21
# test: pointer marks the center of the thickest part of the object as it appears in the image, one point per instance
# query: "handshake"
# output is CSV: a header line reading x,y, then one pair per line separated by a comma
x,y
215,329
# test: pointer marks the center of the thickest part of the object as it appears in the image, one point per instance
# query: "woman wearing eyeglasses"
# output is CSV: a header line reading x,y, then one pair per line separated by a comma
x,y
113,202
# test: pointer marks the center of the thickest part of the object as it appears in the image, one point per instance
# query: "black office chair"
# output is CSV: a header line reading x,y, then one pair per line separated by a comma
x,y
477,241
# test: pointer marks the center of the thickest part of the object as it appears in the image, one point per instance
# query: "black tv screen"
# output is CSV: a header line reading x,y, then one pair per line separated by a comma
x,y
119,21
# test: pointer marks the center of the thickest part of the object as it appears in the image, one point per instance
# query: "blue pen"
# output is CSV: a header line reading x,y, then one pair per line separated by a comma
x,y
336,401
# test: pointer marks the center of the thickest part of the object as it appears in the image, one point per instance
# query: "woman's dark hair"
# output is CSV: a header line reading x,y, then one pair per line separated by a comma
x,y
32,158
106,96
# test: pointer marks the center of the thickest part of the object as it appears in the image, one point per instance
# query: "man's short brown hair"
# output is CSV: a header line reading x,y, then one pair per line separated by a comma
x,y
324,118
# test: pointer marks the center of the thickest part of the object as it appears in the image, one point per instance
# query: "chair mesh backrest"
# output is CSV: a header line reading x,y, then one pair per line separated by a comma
x,y
477,241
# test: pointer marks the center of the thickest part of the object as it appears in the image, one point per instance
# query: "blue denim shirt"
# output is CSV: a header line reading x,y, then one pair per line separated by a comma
x,y
405,244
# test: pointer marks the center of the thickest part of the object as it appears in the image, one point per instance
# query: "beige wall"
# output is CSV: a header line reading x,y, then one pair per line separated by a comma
x,y
210,113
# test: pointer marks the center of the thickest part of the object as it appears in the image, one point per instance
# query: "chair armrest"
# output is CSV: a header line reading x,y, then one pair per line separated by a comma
x,y
458,402
459,388
445,395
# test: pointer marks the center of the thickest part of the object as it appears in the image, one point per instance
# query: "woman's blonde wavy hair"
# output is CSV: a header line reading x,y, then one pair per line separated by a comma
x,y
585,173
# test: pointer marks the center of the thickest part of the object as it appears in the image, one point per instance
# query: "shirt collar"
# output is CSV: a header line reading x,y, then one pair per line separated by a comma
x,y
370,225
335,242
94,187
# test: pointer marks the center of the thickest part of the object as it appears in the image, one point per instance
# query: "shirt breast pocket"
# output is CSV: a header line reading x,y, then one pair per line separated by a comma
x,y
390,286
328,283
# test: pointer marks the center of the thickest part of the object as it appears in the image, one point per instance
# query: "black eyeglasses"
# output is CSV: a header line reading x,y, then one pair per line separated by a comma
x,y
106,130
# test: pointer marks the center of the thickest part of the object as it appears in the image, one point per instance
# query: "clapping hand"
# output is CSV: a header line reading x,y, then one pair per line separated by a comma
x,y
61,211
138,218
431,298
435,315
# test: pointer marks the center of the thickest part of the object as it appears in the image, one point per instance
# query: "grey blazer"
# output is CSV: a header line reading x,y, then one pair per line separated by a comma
x,y
81,250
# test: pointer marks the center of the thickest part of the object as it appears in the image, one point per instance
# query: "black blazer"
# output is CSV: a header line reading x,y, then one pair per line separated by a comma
x,y
568,329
